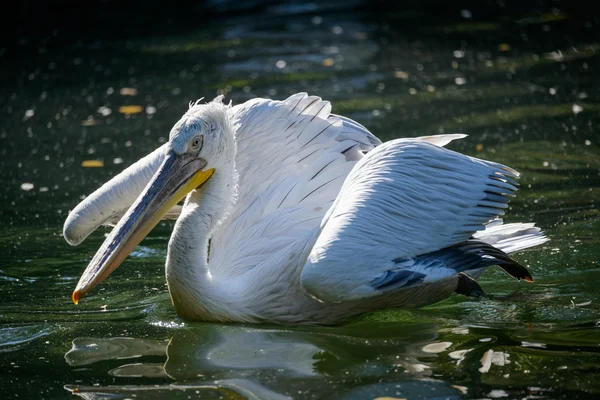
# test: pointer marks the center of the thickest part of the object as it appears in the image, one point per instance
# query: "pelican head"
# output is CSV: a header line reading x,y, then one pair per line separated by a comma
x,y
199,143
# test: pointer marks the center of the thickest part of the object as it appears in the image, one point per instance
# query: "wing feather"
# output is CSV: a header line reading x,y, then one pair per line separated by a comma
x,y
292,159
405,199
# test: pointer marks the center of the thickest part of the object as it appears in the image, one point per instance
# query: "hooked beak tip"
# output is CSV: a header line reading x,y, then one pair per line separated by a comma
x,y
76,296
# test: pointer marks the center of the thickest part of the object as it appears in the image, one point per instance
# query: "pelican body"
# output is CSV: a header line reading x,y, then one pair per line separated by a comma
x,y
295,215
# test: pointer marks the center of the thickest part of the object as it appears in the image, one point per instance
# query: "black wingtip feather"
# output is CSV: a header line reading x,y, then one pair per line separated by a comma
x,y
510,266
516,270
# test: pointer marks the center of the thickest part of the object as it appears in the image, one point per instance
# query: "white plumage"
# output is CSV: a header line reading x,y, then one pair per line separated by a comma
x,y
311,219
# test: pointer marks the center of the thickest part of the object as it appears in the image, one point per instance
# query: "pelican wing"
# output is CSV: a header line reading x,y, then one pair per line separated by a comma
x,y
292,159
402,204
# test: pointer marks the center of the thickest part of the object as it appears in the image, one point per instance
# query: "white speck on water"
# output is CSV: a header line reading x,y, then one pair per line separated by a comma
x,y
280,64
412,91
493,357
533,344
462,389
436,347
577,109
150,110
337,30
546,163
118,160
487,339
417,368
458,54
497,393
316,20
26,186
29,113
459,354
44,189
104,111
587,142
460,80
552,91
466,14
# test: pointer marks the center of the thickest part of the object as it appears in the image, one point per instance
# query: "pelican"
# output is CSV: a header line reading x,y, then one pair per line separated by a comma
x,y
295,215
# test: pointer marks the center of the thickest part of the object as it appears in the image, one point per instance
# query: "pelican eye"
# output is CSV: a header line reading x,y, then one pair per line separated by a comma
x,y
197,143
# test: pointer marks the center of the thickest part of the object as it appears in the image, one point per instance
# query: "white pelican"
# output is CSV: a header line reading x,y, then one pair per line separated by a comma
x,y
294,215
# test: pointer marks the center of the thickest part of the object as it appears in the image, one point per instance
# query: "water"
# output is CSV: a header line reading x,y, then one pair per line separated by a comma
x,y
521,82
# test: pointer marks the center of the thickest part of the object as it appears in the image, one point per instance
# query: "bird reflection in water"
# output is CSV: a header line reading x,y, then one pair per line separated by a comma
x,y
240,362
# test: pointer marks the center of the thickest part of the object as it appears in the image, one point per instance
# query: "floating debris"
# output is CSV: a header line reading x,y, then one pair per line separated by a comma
x,y
92,164
555,16
460,80
388,398
504,47
328,62
576,109
26,186
127,91
401,75
150,110
131,109
118,160
90,122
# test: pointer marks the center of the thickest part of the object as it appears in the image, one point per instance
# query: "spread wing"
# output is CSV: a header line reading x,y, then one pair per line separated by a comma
x,y
406,216
292,159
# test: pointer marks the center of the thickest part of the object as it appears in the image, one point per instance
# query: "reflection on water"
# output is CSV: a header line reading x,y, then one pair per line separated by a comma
x,y
521,81
403,359
266,363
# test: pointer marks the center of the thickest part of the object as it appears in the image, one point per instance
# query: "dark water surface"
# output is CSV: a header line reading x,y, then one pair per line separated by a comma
x,y
523,83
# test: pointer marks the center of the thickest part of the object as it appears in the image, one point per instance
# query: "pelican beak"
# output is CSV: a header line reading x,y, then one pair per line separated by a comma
x,y
176,177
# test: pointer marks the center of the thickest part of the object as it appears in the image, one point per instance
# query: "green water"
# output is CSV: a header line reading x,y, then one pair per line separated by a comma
x,y
521,82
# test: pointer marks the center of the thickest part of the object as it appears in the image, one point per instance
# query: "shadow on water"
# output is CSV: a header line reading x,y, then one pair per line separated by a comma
x,y
106,84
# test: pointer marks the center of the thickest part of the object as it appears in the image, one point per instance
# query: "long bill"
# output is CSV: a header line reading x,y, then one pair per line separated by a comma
x,y
177,176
